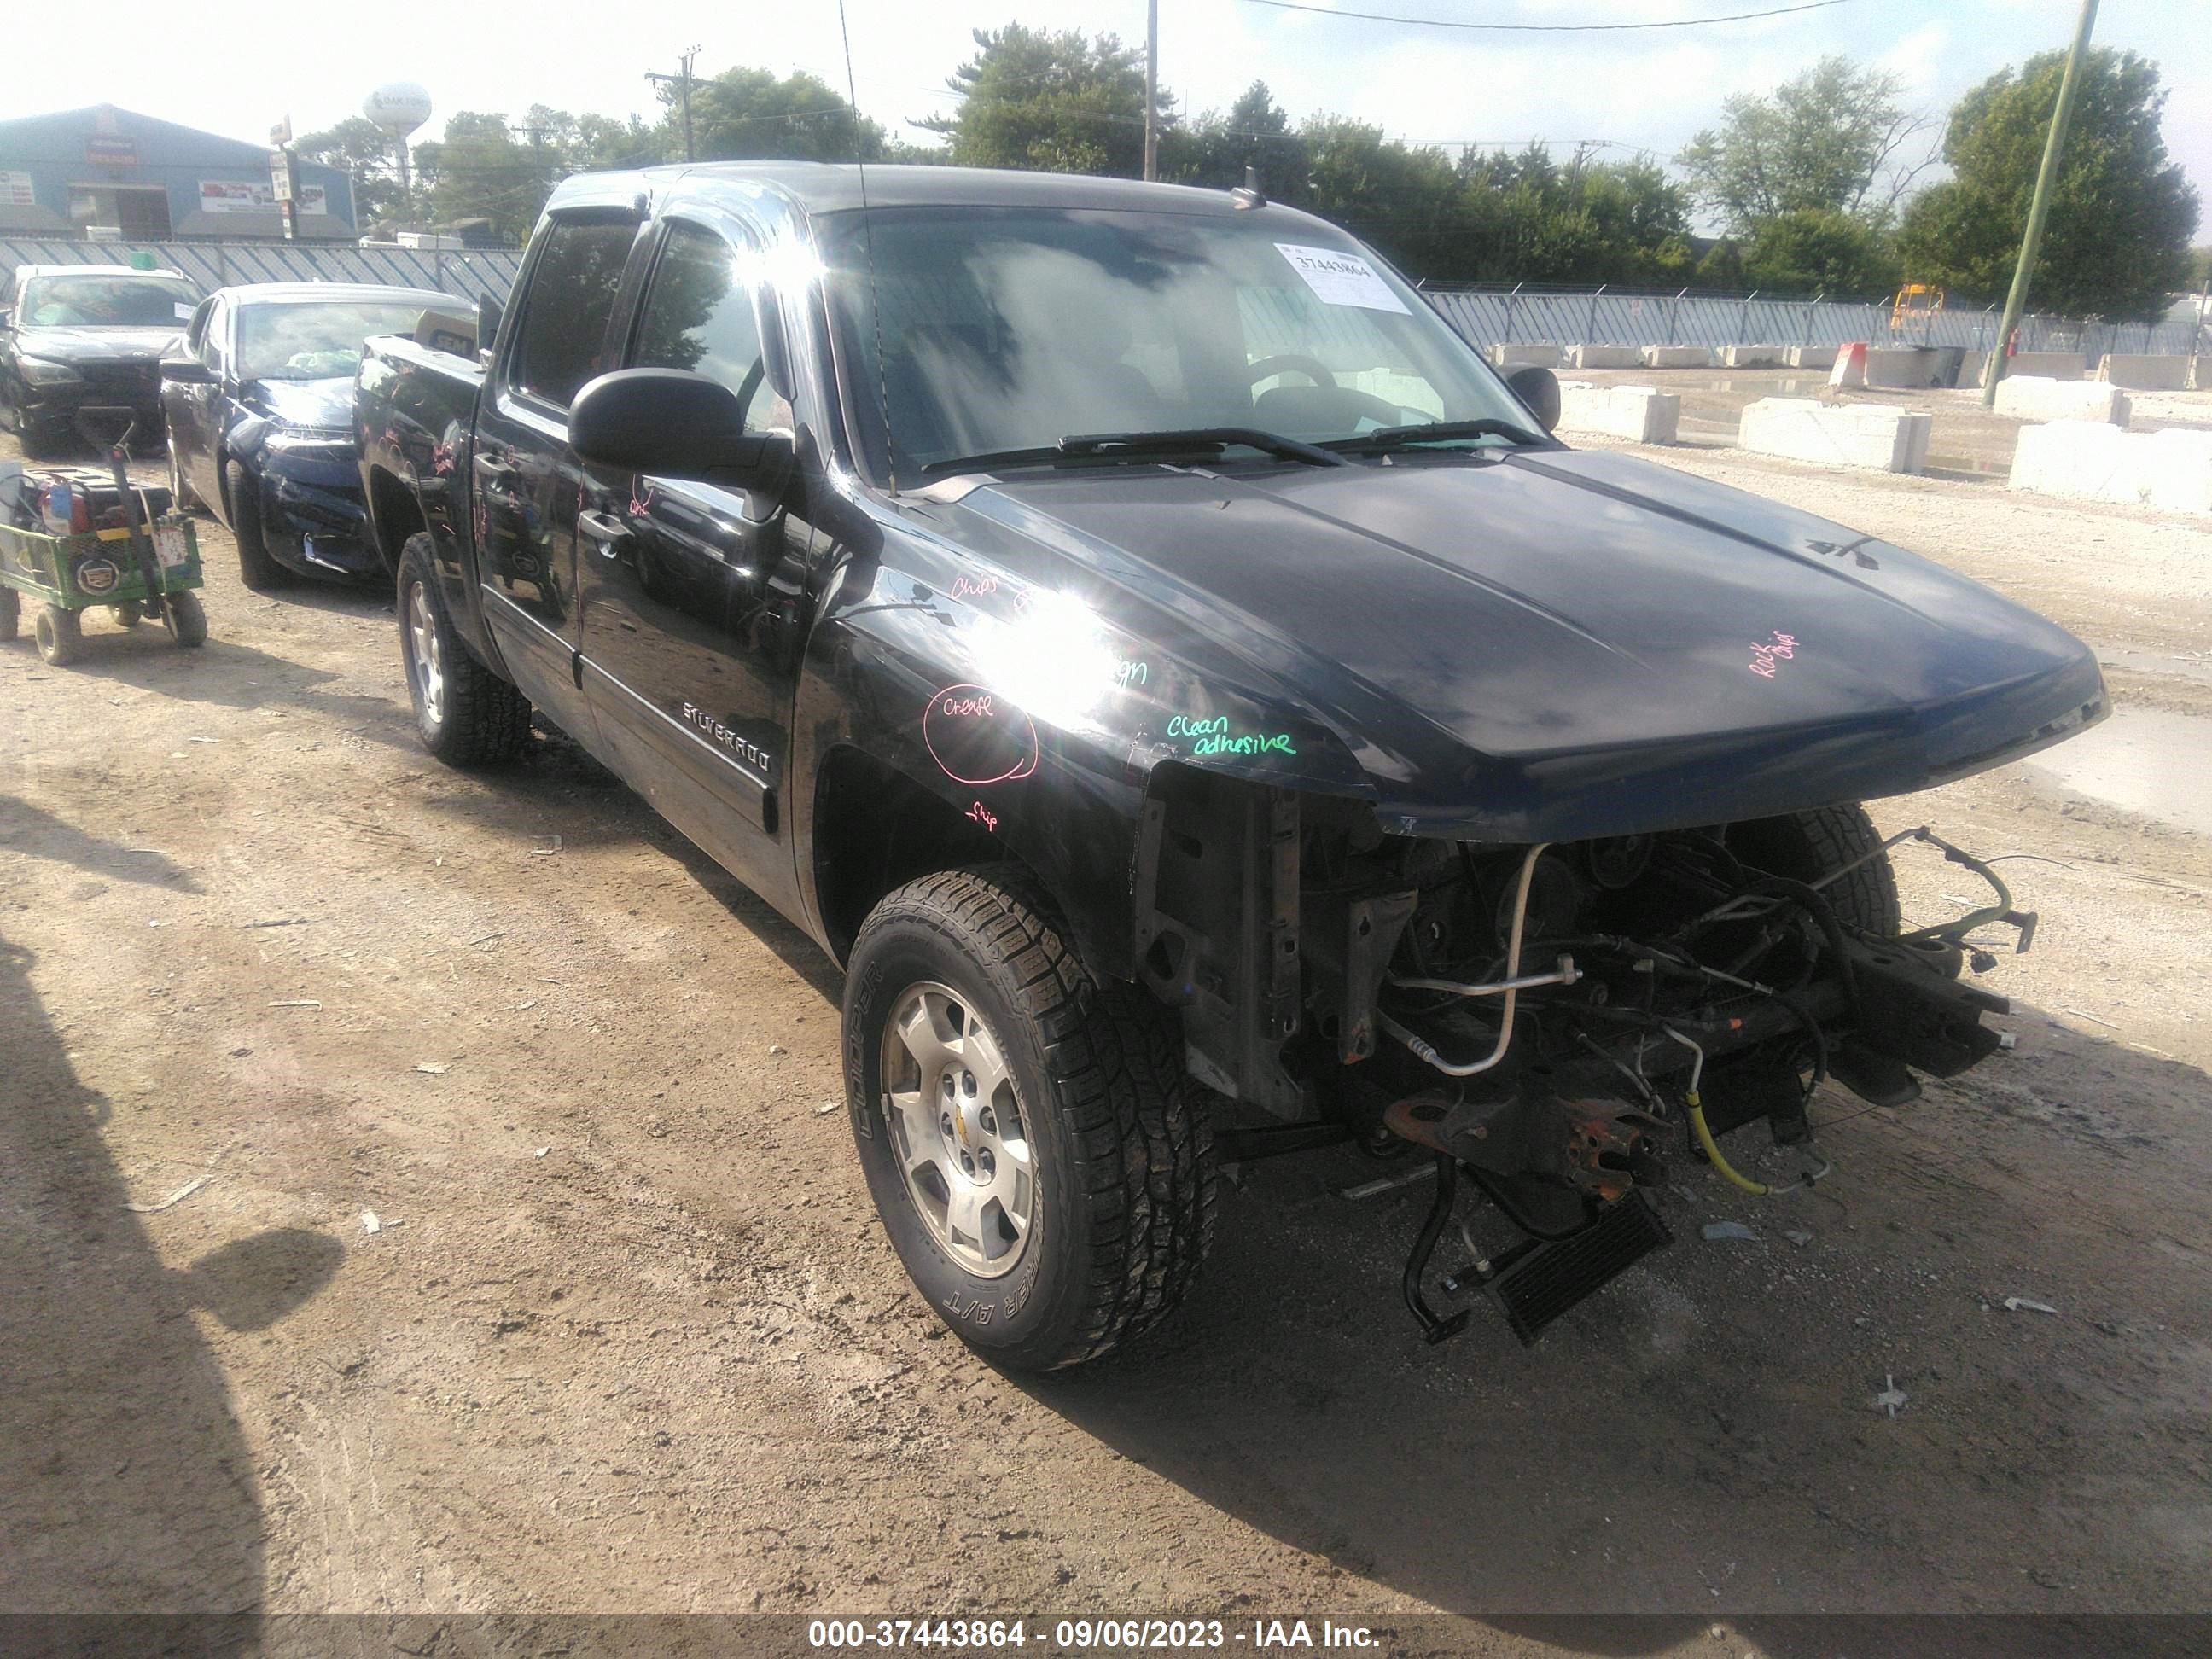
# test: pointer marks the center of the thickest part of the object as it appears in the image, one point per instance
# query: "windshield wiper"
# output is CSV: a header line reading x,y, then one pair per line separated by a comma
x,y
1433,432
1117,446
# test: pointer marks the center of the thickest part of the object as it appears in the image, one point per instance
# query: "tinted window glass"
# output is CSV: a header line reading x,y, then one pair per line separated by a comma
x,y
572,294
699,315
296,341
147,301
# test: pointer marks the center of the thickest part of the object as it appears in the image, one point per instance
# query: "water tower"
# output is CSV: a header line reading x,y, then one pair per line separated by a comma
x,y
399,107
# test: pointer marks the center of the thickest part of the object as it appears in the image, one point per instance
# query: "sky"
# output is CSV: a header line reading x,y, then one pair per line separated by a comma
x,y
238,66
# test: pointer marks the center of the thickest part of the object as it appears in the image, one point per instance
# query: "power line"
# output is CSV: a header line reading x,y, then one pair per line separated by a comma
x,y
1547,29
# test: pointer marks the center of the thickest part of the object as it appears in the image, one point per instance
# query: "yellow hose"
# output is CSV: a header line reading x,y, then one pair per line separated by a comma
x,y
1713,1150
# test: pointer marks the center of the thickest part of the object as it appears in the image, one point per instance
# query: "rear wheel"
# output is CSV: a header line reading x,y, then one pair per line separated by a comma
x,y
1028,1133
11,614
465,715
261,572
1812,846
60,636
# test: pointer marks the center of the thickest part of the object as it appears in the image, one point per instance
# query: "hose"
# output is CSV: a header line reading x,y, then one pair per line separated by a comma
x,y
1510,985
1711,1147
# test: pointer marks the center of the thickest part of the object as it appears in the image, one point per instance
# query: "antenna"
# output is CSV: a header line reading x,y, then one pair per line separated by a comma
x,y
868,247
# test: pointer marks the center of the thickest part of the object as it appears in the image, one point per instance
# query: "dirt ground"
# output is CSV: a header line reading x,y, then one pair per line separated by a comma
x,y
625,1335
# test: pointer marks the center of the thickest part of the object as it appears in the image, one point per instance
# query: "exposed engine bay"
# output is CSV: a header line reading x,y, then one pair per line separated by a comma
x,y
1557,1023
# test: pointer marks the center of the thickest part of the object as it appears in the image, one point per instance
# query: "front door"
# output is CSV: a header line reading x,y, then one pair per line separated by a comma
x,y
694,596
192,412
523,491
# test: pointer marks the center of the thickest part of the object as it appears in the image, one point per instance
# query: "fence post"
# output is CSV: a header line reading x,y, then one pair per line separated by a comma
x,y
1805,339
223,266
1512,299
1674,311
1589,329
1743,327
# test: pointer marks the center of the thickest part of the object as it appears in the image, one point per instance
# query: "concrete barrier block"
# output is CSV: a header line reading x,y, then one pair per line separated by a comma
x,y
1972,365
2144,372
1849,367
1751,356
1641,414
2169,469
1604,357
2049,365
1882,437
1809,356
1524,356
1657,356
1902,367
2033,398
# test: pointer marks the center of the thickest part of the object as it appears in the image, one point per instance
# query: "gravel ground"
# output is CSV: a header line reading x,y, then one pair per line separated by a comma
x,y
625,1335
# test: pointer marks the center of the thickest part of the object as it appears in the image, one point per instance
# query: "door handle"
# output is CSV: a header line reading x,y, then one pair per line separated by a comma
x,y
602,528
490,469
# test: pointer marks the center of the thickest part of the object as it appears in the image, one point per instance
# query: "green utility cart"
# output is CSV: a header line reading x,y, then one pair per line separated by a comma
x,y
137,571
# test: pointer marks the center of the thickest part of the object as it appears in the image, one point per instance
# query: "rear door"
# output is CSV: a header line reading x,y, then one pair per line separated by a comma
x,y
525,477
692,618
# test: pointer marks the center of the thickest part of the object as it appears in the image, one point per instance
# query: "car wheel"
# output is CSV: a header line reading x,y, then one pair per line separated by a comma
x,y
261,572
465,715
190,616
1028,1133
180,493
60,636
1811,845
39,443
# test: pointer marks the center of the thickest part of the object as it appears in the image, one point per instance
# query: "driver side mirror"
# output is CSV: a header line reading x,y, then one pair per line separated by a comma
x,y
187,371
1538,388
674,423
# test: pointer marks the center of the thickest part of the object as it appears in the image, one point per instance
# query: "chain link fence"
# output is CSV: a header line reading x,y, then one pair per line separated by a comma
x,y
467,274
1608,316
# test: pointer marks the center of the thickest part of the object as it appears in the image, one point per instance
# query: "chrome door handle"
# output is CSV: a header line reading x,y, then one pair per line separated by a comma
x,y
602,528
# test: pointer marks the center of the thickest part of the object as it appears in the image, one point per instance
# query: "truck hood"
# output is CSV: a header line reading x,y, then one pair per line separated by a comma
x,y
1560,644
96,345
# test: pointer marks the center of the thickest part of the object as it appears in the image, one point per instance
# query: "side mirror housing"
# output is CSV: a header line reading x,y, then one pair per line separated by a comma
x,y
1538,388
674,424
187,371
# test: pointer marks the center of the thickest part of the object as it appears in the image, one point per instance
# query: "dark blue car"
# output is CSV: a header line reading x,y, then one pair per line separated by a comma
x,y
258,402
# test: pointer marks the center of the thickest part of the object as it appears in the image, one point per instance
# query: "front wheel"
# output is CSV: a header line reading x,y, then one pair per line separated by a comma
x,y
255,562
1028,1133
190,617
465,715
60,636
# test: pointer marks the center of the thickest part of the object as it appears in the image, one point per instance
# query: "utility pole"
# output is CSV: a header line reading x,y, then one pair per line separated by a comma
x,y
1151,89
682,83
2045,177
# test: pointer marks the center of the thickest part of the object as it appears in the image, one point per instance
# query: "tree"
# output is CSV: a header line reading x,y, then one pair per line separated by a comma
x,y
1830,140
1820,251
2122,213
1064,102
368,154
479,171
1255,133
752,114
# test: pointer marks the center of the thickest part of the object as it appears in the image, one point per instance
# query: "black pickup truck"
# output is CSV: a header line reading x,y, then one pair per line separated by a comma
x,y
1201,708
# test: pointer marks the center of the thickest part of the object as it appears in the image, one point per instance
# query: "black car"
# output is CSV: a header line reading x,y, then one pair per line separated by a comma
x,y
86,342
1203,711
259,405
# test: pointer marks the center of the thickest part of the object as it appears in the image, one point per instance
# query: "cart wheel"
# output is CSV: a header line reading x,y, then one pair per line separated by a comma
x,y
189,618
11,614
60,634
129,614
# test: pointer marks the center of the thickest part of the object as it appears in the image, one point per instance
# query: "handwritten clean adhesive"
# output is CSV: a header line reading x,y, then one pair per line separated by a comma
x,y
976,737
1782,647
984,815
1127,673
1213,735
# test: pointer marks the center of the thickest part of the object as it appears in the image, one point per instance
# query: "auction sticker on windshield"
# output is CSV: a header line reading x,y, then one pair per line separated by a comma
x,y
1340,279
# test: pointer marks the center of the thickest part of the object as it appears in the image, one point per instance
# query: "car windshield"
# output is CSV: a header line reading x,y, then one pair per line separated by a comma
x,y
1006,329
314,340
147,301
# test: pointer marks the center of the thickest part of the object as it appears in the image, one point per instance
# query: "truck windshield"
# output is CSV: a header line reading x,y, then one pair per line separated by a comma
x,y
147,301
1009,329
292,341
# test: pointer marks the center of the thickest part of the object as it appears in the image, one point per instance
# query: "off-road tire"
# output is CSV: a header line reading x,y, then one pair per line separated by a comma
x,y
1123,1148
476,718
127,615
260,570
60,636
1807,846
11,614
190,618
